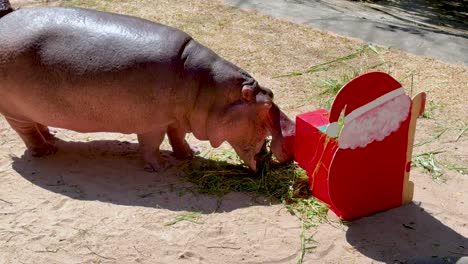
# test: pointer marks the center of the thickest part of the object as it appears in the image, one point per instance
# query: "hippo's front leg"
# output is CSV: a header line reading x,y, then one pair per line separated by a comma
x,y
180,147
45,132
149,149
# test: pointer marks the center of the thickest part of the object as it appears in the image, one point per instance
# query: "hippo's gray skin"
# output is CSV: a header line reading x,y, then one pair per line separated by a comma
x,y
91,71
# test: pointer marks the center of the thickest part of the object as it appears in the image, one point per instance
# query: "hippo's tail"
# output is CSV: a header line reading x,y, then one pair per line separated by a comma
x,y
5,7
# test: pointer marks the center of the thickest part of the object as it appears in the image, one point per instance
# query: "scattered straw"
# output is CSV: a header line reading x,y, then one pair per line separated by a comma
x,y
5,201
462,170
432,139
287,183
429,111
189,216
99,255
220,178
325,65
428,162
463,130
310,211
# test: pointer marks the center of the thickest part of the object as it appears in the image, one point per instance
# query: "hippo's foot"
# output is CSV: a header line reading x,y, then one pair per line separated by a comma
x,y
180,147
149,149
43,150
185,152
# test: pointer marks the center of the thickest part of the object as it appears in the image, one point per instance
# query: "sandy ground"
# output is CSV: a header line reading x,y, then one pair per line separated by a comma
x,y
93,203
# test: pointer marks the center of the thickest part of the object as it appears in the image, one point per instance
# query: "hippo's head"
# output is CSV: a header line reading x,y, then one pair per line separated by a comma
x,y
247,123
236,109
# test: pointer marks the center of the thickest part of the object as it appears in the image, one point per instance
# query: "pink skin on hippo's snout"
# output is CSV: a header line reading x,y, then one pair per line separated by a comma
x,y
282,131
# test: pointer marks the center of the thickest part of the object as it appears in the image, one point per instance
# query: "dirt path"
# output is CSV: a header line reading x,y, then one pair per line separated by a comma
x,y
92,203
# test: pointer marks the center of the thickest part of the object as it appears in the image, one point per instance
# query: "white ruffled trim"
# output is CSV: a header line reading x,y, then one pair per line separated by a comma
x,y
375,124
332,129
374,103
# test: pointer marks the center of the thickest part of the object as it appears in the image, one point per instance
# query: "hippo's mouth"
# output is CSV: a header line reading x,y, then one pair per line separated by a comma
x,y
263,158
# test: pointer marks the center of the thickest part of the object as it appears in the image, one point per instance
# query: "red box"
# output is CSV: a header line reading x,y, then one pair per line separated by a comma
x,y
366,168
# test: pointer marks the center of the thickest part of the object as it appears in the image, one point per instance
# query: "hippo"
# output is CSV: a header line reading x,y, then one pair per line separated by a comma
x,y
5,7
91,71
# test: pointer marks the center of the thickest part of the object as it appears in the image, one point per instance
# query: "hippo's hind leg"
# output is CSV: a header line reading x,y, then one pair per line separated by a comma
x,y
180,147
149,148
32,137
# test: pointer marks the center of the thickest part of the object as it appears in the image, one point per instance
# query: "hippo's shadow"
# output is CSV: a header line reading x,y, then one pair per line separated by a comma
x,y
407,234
112,171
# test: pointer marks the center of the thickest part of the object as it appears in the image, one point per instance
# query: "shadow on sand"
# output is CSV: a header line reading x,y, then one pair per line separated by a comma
x,y
407,234
112,172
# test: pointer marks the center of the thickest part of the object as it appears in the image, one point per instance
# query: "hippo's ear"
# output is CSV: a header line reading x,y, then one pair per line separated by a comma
x,y
248,93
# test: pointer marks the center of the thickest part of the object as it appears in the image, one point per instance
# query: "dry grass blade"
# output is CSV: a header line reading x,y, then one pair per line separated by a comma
x,y
463,130
311,212
462,170
5,201
432,139
189,216
99,255
324,66
303,244
429,111
332,86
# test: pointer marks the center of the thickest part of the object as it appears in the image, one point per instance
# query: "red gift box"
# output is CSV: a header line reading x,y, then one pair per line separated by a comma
x,y
366,169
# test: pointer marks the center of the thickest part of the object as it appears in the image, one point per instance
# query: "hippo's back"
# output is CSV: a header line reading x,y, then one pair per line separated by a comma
x,y
88,70
84,40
